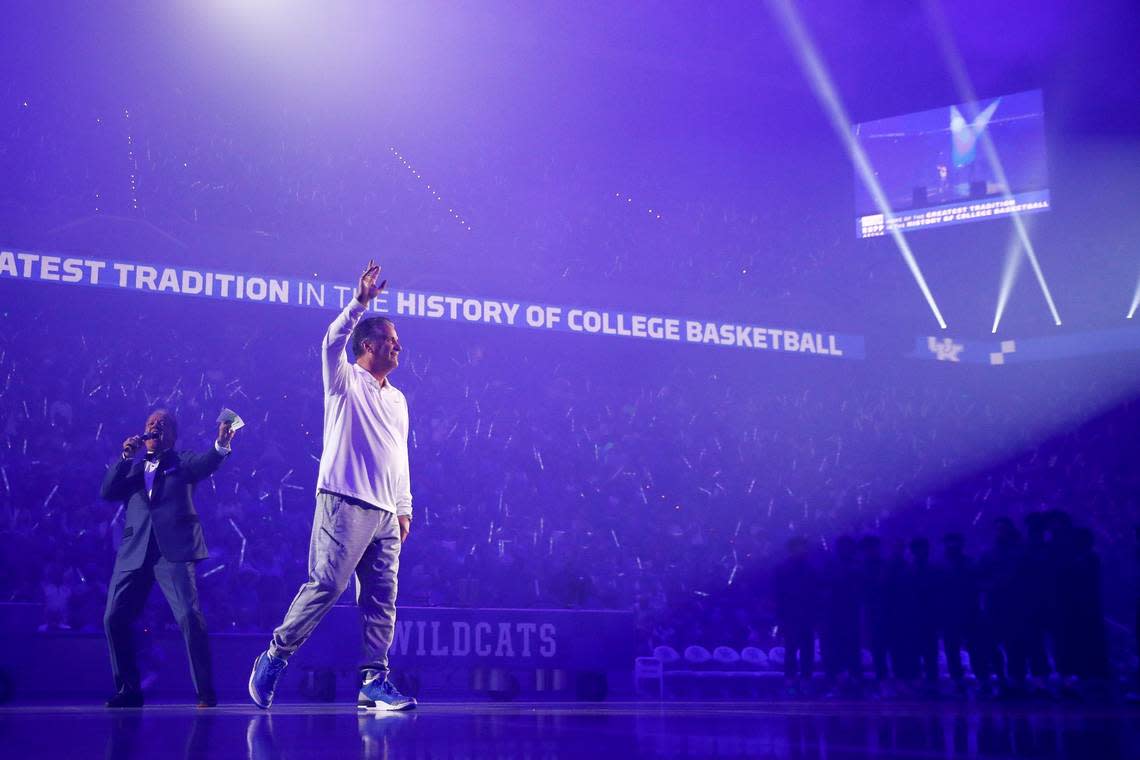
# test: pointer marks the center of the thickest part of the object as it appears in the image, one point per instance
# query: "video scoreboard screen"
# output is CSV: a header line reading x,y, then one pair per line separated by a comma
x,y
935,169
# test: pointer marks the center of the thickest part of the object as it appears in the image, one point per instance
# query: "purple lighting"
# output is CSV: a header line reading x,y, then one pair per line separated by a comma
x,y
660,447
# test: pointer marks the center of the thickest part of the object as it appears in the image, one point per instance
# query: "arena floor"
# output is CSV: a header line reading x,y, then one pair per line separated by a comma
x,y
545,730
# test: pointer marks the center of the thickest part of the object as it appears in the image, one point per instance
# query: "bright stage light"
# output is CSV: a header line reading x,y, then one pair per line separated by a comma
x,y
966,93
1135,301
821,83
1008,276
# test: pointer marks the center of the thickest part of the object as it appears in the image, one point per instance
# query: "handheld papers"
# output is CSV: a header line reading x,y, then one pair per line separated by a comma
x,y
230,416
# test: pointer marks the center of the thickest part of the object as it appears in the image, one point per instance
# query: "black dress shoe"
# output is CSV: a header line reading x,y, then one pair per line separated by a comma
x,y
204,703
126,699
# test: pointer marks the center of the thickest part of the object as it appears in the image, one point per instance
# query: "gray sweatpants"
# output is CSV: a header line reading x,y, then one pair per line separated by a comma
x,y
347,538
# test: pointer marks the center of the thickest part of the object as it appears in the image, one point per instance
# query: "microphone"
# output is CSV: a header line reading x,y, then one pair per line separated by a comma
x,y
150,436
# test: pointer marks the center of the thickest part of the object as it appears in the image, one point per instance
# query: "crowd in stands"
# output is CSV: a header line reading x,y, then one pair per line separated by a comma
x,y
727,498
706,502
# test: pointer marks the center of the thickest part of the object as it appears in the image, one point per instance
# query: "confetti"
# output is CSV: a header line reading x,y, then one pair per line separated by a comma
x,y
210,572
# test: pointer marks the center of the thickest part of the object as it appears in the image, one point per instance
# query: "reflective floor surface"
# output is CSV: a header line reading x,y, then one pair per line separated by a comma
x,y
619,729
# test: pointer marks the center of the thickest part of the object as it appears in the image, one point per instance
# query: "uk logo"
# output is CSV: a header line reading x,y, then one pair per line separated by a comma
x,y
945,350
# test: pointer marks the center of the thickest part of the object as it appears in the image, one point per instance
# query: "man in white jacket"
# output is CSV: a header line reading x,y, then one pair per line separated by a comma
x,y
364,502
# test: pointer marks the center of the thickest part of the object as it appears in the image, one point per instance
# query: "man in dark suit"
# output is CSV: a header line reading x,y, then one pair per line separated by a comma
x,y
162,540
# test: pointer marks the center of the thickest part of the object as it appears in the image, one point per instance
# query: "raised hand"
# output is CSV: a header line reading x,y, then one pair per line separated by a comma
x,y
225,434
368,289
131,446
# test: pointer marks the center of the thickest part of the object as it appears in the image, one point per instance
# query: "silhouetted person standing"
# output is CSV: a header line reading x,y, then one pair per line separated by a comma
x,y
922,592
797,596
1002,604
1134,695
1038,576
958,595
839,634
873,594
1061,549
1080,596
897,616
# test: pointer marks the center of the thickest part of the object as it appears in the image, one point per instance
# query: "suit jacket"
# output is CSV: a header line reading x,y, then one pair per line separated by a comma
x,y
168,511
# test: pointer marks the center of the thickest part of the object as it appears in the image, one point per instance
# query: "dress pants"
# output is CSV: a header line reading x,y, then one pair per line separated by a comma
x,y
126,595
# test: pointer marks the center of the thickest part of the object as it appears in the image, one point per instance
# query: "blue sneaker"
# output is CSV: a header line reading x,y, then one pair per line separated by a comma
x,y
263,679
381,694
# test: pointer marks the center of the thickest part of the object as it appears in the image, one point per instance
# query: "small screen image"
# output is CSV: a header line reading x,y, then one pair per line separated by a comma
x,y
935,170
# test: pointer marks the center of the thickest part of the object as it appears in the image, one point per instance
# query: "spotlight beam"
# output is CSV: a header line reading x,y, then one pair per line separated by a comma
x,y
1135,301
1008,275
825,91
966,91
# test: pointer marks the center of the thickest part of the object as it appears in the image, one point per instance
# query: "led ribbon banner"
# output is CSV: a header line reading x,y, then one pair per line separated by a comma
x,y
257,288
